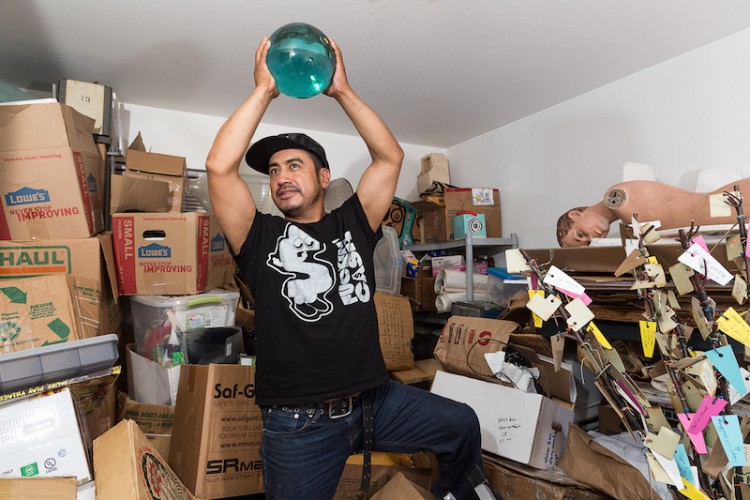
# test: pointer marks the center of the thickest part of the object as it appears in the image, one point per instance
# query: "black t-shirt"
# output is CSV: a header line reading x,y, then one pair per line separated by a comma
x,y
315,319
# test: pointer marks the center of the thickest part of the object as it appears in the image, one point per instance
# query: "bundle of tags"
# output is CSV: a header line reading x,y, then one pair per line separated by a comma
x,y
702,452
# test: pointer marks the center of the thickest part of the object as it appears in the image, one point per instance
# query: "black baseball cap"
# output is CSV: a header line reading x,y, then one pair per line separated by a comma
x,y
261,152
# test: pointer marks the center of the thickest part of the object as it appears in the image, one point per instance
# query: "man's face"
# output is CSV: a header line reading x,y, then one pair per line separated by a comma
x,y
586,226
295,183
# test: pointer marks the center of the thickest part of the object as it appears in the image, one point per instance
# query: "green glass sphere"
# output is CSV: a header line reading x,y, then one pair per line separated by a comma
x,y
301,60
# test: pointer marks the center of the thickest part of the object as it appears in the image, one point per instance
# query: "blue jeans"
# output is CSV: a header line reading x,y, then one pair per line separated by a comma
x,y
304,452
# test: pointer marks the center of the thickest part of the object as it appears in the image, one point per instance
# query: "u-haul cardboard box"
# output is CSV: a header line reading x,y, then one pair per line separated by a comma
x,y
170,253
90,264
127,465
36,312
217,453
41,438
524,427
50,173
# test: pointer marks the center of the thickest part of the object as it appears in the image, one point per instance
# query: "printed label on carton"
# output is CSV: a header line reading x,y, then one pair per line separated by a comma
x,y
28,261
26,196
154,251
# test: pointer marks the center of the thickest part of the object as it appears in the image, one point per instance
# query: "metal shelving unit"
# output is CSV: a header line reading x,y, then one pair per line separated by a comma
x,y
468,244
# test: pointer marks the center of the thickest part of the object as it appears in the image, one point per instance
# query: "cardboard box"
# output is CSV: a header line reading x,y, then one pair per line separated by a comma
x,y
509,479
126,465
49,488
51,173
41,437
400,488
435,162
524,427
90,264
420,290
149,382
437,220
135,194
89,98
36,312
473,224
416,468
156,421
170,254
219,425
396,329
161,167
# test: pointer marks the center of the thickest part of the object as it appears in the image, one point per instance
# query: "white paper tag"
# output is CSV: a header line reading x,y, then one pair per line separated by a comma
x,y
557,278
543,307
718,206
696,256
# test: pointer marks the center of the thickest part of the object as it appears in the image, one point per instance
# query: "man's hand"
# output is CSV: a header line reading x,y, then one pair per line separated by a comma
x,y
339,82
263,77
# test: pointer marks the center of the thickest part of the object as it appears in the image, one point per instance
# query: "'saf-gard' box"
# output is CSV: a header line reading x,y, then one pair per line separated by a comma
x,y
50,173
170,253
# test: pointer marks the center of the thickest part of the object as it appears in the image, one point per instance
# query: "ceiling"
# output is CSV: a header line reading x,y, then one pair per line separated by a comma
x,y
438,71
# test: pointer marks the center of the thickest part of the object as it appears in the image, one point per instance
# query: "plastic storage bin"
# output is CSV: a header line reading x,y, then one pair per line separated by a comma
x,y
502,286
52,363
158,320
388,263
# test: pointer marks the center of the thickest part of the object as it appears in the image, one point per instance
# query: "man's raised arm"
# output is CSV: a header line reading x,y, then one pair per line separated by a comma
x,y
231,200
378,183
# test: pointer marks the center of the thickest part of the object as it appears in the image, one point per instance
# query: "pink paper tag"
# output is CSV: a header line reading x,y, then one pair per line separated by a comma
x,y
695,437
534,282
584,298
701,242
710,407
631,397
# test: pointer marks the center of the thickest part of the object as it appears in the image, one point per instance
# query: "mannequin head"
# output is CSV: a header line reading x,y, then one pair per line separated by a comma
x,y
578,226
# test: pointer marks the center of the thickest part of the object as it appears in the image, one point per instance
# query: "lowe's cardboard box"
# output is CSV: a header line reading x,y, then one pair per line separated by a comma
x,y
126,465
90,264
217,430
35,312
524,427
170,253
50,173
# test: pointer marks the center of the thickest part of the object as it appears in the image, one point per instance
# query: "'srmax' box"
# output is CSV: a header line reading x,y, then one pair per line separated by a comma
x,y
170,253
90,264
50,173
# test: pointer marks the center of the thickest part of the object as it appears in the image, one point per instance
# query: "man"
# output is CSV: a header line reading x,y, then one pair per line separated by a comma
x,y
321,381
649,201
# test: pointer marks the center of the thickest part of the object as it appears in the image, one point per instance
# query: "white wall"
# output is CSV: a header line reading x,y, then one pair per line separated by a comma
x,y
191,135
686,114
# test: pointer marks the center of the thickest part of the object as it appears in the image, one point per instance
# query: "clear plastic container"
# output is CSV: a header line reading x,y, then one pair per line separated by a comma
x,y
158,320
502,286
388,263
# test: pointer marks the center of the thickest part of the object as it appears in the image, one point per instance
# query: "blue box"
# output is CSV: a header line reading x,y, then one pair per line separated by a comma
x,y
469,223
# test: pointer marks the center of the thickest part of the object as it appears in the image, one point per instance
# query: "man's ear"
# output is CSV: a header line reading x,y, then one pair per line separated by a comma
x,y
325,177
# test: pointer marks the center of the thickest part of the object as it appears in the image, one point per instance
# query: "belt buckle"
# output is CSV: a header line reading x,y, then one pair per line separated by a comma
x,y
332,412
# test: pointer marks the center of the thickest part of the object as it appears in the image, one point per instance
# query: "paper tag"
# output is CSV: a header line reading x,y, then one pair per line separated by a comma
x,y
728,429
515,261
739,290
704,370
584,298
558,347
737,394
683,462
542,306
648,337
710,407
664,443
633,260
725,362
580,315
681,274
734,248
666,323
658,471
692,492
672,300
718,207
695,437
670,467
482,196
598,335
538,322
704,263
557,278
735,326
657,274
699,318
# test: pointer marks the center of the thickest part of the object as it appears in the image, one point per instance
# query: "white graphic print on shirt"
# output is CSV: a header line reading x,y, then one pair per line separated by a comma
x,y
352,279
309,278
